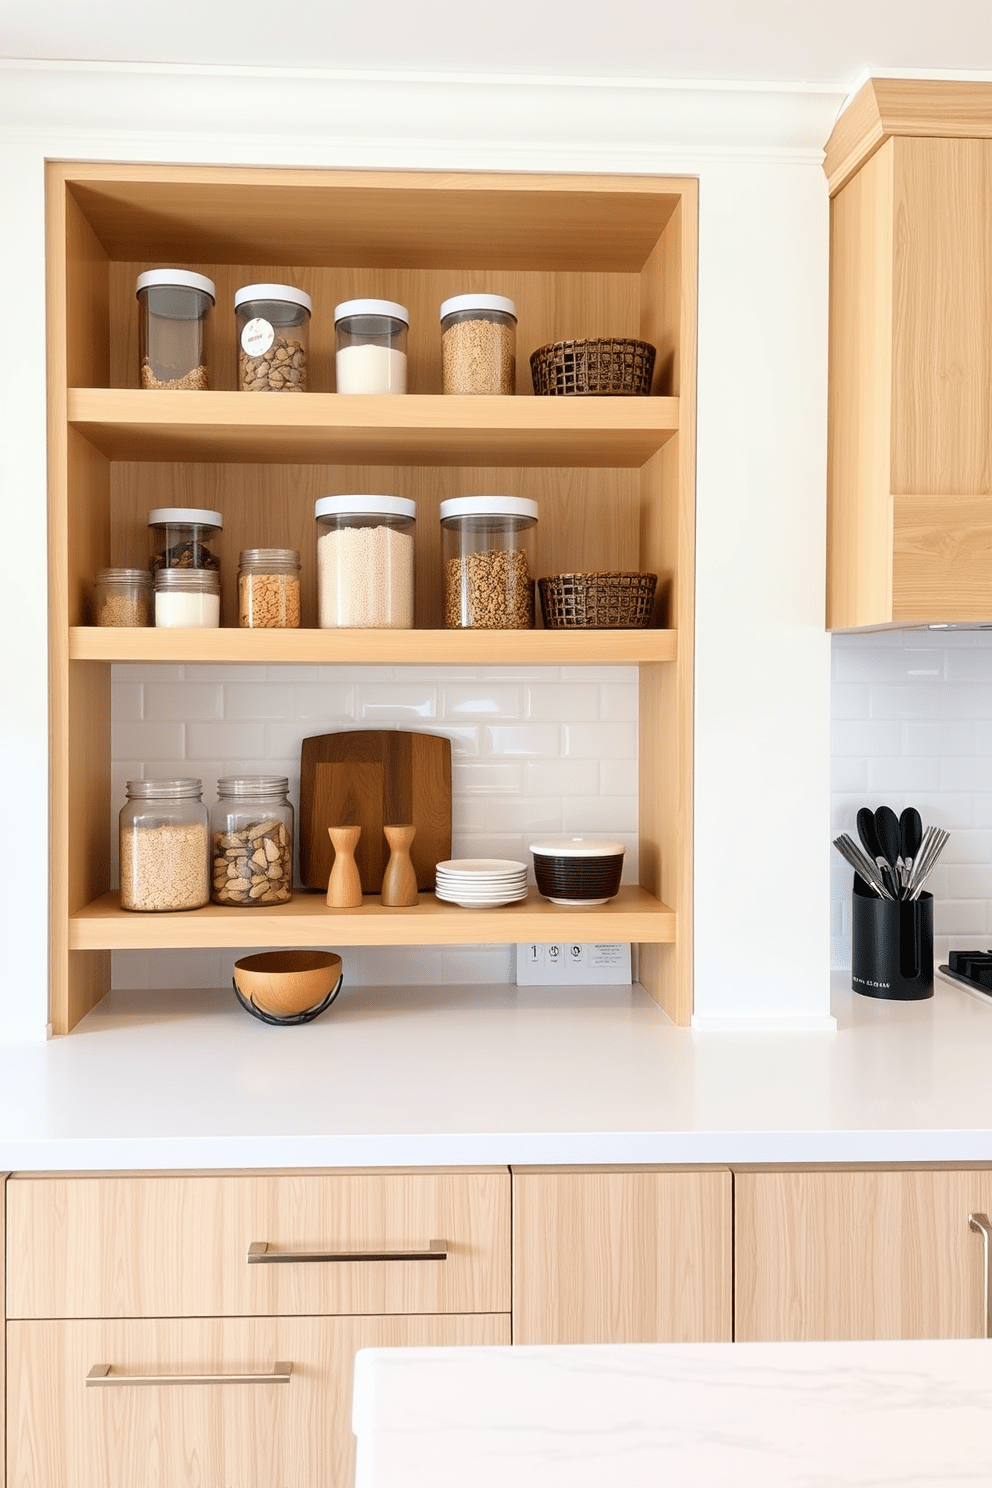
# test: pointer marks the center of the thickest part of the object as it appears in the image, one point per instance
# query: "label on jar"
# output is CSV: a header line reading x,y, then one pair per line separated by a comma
x,y
257,337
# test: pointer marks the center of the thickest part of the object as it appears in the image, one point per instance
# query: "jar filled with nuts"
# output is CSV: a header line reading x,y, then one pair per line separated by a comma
x,y
479,344
273,338
173,329
163,846
269,588
251,841
489,562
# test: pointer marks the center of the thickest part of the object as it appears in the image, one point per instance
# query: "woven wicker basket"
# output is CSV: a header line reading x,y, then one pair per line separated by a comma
x,y
604,601
619,367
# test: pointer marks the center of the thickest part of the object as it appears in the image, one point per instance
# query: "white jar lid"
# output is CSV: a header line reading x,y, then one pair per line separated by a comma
x,y
488,506
478,302
176,279
394,506
283,292
577,847
183,516
371,307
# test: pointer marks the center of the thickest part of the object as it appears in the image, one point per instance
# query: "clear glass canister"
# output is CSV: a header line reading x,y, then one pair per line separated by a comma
x,y
489,562
365,561
173,329
273,338
187,598
269,588
371,346
163,846
122,596
183,537
251,841
479,344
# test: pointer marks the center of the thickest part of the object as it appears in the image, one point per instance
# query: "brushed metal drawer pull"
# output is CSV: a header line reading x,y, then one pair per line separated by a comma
x,y
259,1254
980,1224
100,1376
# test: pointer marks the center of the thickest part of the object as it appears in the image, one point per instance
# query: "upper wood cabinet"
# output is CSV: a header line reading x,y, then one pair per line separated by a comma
x,y
910,441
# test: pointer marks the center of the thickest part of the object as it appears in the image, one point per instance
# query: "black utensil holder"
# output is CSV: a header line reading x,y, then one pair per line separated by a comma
x,y
893,945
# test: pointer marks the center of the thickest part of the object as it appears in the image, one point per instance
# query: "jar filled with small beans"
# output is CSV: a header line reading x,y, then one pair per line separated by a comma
x,y
269,588
479,344
489,546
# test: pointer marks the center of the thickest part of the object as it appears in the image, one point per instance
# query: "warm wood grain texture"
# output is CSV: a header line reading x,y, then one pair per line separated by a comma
x,y
606,1255
633,915
941,558
859,1254
368,778
859,514
296,1435
909,107
399,882
176,1245
344,883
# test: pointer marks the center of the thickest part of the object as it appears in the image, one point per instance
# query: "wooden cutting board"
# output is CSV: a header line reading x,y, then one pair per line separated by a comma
x,y
372,778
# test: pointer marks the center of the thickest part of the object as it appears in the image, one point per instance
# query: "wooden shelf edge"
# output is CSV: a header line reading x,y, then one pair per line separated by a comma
x,y
383,647
909,107
634,915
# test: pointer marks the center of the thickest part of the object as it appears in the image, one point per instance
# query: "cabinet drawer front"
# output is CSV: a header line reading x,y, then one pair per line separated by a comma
x,y
61,1434
177,1246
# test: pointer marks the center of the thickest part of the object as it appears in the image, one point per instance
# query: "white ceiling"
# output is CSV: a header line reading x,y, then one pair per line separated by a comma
x,y
791,41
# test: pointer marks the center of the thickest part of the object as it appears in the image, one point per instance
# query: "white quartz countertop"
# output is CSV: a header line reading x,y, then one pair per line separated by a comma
x,y
478,1075
751,1415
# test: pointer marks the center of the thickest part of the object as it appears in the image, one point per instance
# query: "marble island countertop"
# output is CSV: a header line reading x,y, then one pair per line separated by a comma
x,y
751,1415
495,1075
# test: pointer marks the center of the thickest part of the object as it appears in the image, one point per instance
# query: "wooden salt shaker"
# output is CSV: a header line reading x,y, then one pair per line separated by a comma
x,y
344,887
399,882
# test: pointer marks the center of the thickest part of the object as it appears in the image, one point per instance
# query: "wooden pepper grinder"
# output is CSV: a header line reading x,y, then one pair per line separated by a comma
x,y
399,882
344,887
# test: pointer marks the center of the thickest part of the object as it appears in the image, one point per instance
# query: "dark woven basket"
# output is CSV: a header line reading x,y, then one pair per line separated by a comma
x,y
617,367
603,601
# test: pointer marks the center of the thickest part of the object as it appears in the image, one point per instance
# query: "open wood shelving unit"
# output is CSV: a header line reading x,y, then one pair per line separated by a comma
x,y
615,479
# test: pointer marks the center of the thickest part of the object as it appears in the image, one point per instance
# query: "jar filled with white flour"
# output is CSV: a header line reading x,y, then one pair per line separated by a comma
x,y
371,346
365,562
187,598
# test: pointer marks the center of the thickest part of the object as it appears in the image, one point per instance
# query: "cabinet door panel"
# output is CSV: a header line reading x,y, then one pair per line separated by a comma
x,y
177,1245
621,1256
296,1435
859,1254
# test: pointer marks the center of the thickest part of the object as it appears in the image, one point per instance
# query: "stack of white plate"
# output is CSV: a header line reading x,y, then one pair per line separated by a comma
x,y
481,883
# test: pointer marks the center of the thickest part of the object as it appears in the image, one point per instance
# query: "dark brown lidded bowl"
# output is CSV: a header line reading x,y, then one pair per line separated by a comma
x,y
578,870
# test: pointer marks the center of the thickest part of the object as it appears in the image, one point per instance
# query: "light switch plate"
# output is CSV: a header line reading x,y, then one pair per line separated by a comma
x,y
573,964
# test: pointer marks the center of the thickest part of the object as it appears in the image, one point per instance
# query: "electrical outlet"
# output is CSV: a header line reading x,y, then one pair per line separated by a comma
x,y
573,964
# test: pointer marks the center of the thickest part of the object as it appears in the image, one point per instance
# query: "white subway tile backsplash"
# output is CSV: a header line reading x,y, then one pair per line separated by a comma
x,y
125,671
254,700
127,700
480,700
896,773
618,702
183,701
600,740
974,665
562,702
983,809
526,814
146,740
907,700
863,736
940,740
403,703
489,777
849,773
331,701
969,880
967,774
598,816
534,740
243,741
566,778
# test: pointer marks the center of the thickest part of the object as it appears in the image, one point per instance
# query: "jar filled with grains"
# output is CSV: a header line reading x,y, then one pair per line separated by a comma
x,y
479,344
273,338
269,588
173,329
489,562
163,846
187,598
122,596
365,561
371,346
251,841
183,537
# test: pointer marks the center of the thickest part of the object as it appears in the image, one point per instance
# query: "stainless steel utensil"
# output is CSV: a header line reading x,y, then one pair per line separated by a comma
x,y
887,830
869,871
935,839
910,838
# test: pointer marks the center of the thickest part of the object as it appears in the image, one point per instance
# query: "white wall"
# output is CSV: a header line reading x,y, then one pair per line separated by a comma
x,y
762,660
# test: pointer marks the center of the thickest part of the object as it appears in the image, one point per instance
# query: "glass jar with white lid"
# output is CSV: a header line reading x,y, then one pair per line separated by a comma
x,y
479,344
273,338
173,329
371,340
365,561
488,549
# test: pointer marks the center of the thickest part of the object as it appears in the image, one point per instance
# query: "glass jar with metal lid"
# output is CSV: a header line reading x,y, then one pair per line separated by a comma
x,y
163,846
479,344
251,841
122,596
187,598
269,588
489,544
365,561
273,338
371,346
173,328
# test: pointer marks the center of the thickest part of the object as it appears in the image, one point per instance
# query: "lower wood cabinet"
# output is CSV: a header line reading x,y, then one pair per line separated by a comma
x,y
127,1433
622,1255
859,1253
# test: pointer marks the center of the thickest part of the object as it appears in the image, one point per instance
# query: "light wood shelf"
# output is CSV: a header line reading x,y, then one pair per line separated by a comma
x,y
376,647
331,428
634,915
